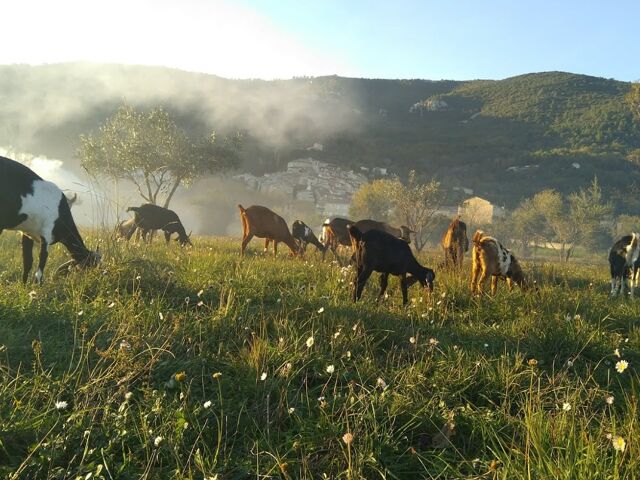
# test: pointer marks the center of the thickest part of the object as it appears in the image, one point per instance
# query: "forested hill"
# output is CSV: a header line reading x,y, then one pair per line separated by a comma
x,y
505,139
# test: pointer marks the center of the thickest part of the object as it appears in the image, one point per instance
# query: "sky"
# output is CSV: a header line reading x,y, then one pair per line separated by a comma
x,y
446,39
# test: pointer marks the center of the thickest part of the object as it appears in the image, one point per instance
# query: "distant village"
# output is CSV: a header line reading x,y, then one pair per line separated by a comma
x,y
330,189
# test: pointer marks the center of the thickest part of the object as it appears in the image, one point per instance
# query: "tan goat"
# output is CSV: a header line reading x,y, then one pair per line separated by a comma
x,y
258,221
491,259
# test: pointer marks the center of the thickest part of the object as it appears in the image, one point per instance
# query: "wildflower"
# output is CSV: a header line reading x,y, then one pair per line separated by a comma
x,y
161,316
158,440
128,395
337,334
291,410
187,300
444,294
609,399
32,294
200,292
355,327
124,345
347,438
621,366
532,362
381,383
180,376
566,406
348,353
412,340
61,405
321,309
330,369
433,342
618,443
569,363
310,342
207,404
486,345
200,303
616,352
577,317
111,305
263,377
80,313
216,375
321,399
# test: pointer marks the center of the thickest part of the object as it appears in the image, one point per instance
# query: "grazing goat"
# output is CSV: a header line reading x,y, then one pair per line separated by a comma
x,y
454,243
150,217
624,262
304,236
258,221
491,259
335,234
402,232
385,253
40,211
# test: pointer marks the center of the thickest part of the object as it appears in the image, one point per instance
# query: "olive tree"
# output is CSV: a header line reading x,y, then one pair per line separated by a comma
x,y
151,151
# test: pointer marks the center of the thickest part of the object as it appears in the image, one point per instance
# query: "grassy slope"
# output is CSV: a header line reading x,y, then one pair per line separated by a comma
x,y
71,342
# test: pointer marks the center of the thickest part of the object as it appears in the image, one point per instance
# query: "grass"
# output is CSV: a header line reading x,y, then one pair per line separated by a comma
x,y
193,363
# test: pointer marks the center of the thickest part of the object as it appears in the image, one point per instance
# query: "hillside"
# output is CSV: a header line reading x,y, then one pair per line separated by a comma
x,y
549,120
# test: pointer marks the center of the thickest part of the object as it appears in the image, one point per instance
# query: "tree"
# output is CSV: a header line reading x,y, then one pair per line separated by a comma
x,y
152,152
580,219
633,100
593,216
373,200
416,204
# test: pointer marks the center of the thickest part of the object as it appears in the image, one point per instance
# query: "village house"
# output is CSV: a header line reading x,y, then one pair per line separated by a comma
x,y
478,211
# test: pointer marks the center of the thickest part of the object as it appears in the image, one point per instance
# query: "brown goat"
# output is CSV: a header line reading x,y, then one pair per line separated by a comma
x,y
335,234
258,221
491,259
403,232
454,243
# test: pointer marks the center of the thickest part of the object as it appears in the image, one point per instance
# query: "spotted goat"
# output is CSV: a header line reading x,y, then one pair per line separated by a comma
x,y
490,259
624,263
41,213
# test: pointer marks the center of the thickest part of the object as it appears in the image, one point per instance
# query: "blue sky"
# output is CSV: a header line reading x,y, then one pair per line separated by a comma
x,y
466,39
450,39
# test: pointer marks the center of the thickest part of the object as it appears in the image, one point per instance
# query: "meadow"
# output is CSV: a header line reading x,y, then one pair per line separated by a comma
x,y
197,364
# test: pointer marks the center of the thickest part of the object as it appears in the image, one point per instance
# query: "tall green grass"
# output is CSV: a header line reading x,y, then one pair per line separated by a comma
x,y
194,363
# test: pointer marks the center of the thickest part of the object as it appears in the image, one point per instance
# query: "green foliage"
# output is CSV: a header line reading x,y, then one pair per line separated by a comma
x,y
148,149
373,200
583,218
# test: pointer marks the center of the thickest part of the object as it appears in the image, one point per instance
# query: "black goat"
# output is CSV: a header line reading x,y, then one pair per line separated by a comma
x,y
624,263
304,236
40,211
382,252
150,217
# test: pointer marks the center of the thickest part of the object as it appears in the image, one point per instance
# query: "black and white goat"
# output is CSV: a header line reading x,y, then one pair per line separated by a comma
x,y
40,211
624,261
304,236
382,252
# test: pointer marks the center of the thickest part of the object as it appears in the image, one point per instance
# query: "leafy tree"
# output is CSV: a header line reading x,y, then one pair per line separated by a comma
x,y
416,204
373,200
151,151
580,219
633,99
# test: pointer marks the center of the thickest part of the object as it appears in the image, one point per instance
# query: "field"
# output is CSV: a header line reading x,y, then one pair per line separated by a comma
x,y
193,363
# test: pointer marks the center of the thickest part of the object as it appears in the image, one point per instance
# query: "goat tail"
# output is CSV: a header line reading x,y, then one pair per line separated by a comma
x,y
477,237
242,209
355,233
